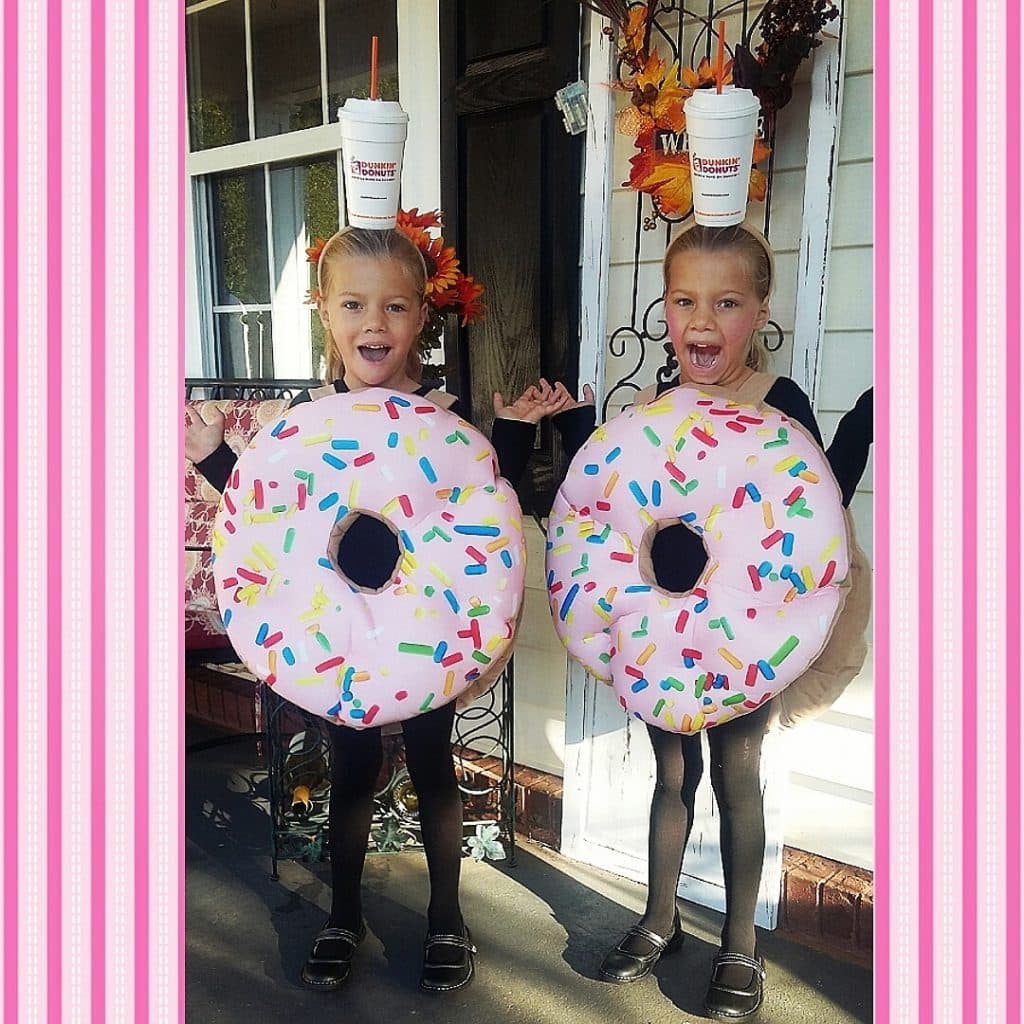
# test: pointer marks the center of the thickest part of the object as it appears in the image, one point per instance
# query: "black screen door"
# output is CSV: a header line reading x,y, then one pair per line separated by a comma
x,y
511,190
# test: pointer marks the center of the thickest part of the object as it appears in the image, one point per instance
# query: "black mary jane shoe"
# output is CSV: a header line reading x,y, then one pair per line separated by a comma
x,y
330,960
640,949
727,1003
443,975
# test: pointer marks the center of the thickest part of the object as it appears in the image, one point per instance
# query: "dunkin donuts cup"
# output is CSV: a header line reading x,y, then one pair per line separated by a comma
x,y
372,142
720,129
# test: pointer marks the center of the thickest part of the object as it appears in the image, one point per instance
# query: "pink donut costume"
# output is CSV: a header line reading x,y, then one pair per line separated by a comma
x,y
761,495
442,626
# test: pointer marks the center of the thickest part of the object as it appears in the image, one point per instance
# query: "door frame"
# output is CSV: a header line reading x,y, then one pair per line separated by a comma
x,y
582,690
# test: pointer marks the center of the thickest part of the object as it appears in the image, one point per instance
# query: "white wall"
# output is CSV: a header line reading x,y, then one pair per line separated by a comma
x,y
829,807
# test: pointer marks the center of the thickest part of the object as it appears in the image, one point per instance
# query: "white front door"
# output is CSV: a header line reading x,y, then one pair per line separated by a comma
x,y
609,778
609,766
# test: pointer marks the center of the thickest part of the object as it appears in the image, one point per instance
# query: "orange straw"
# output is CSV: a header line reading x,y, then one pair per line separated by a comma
x,y
720,57
373,67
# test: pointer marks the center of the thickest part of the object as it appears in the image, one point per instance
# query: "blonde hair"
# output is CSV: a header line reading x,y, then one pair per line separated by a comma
x,y
378,245
748,243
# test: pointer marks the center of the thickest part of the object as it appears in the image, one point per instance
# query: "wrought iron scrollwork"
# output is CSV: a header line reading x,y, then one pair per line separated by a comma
x,y
241,387
647,329
298,755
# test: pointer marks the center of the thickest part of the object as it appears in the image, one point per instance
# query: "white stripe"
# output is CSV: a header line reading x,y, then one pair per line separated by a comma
x,y
75,297
166,502
32,625
991,498
903,487
122,308
947,699
9,557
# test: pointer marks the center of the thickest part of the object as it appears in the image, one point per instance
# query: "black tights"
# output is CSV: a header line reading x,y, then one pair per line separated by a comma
x,y
735,749
356,763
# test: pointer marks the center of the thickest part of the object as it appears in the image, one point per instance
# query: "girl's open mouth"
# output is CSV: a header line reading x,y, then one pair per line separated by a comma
x,y
374,353
703,357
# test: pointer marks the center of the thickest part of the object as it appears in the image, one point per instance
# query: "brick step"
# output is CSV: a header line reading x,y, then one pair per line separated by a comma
x,y
825,905
223,699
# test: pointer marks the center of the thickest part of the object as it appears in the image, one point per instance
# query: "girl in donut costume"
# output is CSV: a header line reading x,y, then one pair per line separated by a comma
x,y
372,287
717,287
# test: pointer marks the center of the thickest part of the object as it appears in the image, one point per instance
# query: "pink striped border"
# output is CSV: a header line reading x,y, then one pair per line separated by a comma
x,y
12,564
969,648
143,413
54,526
927,968
1013,533
883,91
179,454
98,330
926,485
68,946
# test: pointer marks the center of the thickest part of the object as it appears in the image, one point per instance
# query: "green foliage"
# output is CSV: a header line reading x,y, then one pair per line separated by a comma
x,y
211,124
239,234
321,211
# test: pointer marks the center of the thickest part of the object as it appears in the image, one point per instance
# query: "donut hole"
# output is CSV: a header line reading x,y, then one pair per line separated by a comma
x,y
669,552
365,550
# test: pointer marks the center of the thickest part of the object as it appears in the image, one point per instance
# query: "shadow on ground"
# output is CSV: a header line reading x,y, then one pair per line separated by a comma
x,y
542,928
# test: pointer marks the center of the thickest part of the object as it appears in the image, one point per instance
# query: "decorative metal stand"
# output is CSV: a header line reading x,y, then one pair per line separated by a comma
x,y
297,745
298,758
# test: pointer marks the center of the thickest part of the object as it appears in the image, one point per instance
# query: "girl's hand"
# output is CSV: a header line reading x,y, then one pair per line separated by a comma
x,y
536,402
568,402
202,438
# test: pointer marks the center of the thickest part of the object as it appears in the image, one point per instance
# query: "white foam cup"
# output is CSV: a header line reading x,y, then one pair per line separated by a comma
x,y
373,136
720,130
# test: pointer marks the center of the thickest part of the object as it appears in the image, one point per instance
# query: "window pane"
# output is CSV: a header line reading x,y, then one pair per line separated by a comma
x,y
245,344
241,271
350,24
218,111
286,65
262,325
304,205
321,222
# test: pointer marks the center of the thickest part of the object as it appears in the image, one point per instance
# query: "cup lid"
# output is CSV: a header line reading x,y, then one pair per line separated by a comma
x,y
731,102
389,111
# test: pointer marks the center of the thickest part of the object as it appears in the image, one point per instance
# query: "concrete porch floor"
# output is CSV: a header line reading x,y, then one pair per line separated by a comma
x,y
541,927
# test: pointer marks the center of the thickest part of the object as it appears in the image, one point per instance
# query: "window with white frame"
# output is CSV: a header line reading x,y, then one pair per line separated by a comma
x,y
264,81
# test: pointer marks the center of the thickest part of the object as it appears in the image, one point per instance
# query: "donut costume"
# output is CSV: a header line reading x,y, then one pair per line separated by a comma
x,y
442,624
760,494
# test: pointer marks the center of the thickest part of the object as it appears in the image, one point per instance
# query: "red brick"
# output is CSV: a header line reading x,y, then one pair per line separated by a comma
x,y
216,704
792,858
837,916
489,766
802,895
520,792
865,923
549,784
202,700
821,865
238,713
538,808
526,776
556,822
546,836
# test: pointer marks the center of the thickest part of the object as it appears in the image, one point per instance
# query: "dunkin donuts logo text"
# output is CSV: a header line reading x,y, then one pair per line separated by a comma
x,y
716,167
377,170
